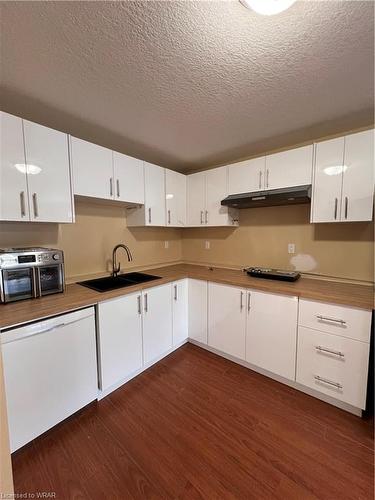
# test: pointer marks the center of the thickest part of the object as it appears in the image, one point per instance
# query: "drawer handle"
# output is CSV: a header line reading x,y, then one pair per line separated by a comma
x,y
326,381
319,348
334,320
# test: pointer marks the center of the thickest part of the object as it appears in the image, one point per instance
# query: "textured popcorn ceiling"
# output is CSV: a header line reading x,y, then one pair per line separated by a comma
x,y
189,84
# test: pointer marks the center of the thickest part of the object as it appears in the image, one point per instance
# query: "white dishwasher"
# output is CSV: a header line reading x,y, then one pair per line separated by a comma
x,y
50,372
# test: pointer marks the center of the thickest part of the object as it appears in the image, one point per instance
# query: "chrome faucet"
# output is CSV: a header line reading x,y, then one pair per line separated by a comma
x,y
116,267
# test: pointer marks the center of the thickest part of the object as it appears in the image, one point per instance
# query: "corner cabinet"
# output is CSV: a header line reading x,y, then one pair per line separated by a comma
x,y
153,212
175,198
343,188
35,179
205,192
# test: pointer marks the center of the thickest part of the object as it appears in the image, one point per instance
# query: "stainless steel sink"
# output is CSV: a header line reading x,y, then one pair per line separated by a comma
x,y
109,283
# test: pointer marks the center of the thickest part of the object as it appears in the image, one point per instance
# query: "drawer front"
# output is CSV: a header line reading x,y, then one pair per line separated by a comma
x,y
333,365
347,322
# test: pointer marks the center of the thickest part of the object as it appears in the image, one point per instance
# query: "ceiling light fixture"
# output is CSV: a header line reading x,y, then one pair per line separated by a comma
x,y
268,7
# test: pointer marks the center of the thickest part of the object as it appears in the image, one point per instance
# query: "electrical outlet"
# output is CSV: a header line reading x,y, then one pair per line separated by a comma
x,y
207,245
166,244
291,248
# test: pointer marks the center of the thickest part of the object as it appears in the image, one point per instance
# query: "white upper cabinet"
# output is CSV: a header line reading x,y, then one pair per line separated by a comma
x,y
344,179
49,182
227,319
271,332
205,192
14,204
289,168
358,177
92,169
196,198
152,213
175,197
128,174
246,176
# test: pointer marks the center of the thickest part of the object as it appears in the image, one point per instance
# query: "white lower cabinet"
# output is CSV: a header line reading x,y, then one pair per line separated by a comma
x,y
334,365
120,339
157,322
227,319
197,317
180,311
271,333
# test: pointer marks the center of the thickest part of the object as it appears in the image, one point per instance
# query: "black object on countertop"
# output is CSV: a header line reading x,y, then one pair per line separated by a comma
x,y
273,274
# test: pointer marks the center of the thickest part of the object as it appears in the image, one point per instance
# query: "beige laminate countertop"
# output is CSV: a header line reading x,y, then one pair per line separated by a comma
x,y
77,296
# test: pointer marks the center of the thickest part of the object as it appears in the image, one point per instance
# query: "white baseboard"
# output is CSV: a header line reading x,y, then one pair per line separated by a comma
x,y
282,380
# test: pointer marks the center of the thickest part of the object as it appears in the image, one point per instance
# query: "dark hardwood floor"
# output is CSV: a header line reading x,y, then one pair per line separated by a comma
x,y
198,426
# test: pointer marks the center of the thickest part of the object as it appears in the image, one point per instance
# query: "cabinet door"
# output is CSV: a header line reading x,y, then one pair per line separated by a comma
x,y
326,198
358,179
289,168
14,204
92,167
246,176
196,199
271,333
128,178
120,339
157,322
197,310
216,190
48,177
175,196
180,311
154,195
227,319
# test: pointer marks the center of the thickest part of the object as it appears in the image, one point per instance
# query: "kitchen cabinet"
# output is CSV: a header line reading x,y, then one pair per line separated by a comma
x,y
92,167
343,187
128,175
198,309
205,192
289,168
271,332
175,197
358,178
180,311
227,319
153,213
48,174
157,322
120,339
333,365
246,176
14,203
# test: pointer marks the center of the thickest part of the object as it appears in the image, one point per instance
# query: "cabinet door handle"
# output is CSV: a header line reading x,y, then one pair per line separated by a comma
x,y
267,177
149,215
201,216
241,301
22,202
248,301
206,217
146,302
346,207
35,205
260,179
336,203
110,186
175,292
321,349
326,381
169,216
139,304
334,320
118,187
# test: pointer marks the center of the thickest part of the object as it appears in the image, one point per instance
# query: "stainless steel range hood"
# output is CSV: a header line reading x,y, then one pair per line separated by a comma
x,y
273,197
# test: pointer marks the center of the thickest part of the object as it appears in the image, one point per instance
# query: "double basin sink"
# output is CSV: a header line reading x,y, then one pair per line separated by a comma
x,y
120,281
